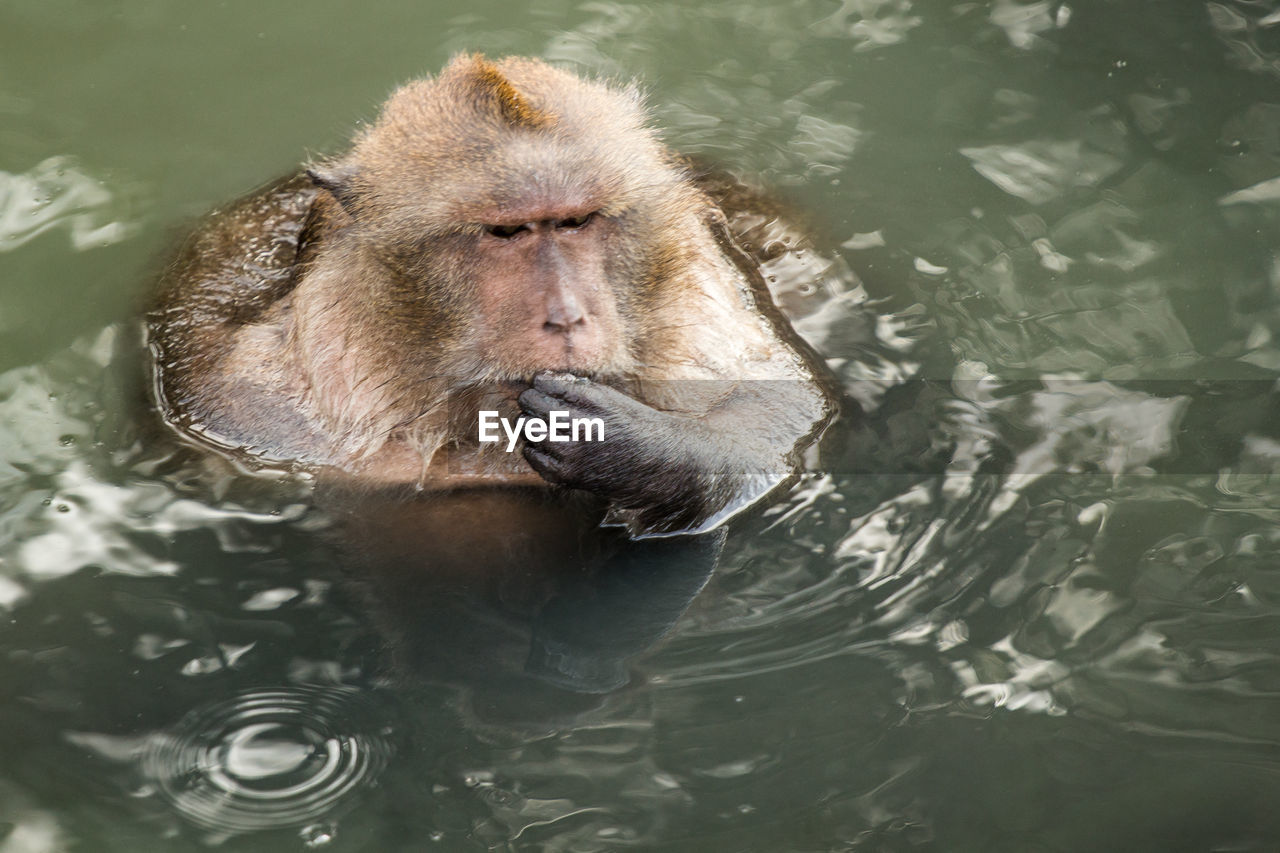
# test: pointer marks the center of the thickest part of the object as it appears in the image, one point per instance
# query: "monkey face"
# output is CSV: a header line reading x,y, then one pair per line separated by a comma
x,y
545,296
515,208
512,290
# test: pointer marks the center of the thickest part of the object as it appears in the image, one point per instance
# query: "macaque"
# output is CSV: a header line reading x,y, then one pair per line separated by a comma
x,y
505,237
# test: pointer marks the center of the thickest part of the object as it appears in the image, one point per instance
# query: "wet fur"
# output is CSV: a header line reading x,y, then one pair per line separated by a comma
x,y
327,319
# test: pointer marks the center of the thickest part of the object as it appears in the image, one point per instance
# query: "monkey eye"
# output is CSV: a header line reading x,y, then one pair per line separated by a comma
x,y
575,221
506,232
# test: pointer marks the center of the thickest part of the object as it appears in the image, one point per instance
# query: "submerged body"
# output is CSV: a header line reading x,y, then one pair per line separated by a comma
x,y
505,238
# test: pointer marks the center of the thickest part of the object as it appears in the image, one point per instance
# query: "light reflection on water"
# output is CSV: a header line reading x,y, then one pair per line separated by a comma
x,y
1028,601
57,193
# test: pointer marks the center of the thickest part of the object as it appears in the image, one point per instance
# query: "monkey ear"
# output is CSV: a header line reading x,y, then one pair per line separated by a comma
x,y
339,179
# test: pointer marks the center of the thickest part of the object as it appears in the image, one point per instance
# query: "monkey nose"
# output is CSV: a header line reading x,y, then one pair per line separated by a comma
x,y
563,313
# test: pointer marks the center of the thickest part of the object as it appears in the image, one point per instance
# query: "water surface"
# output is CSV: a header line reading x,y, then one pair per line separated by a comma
x,y
1030,601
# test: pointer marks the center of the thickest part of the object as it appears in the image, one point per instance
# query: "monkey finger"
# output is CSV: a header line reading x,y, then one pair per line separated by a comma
x,y
566,386
591,396
536,403
545,464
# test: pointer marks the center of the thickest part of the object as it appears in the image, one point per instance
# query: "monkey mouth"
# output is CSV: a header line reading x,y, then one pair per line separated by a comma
x,y
600,376
580,355
515,358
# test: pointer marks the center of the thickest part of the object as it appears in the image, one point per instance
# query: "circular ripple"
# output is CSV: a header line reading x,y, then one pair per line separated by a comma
x,y
267,759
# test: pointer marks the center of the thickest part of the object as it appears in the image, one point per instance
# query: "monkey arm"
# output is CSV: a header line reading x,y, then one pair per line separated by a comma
x,y
676,472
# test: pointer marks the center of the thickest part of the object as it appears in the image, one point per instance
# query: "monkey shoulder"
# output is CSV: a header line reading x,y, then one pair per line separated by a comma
x,y
218,330
237,263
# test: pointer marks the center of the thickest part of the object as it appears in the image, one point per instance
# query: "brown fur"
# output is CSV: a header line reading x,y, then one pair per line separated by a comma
x,y
490,83
336,323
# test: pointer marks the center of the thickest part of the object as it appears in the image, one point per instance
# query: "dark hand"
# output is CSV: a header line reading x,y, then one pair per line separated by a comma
x,y
649,460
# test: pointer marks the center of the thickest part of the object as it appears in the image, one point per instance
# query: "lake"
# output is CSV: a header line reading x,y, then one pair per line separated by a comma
x,y
1027,600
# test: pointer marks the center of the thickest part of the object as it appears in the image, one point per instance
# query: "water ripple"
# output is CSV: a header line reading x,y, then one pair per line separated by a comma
x,y
267,758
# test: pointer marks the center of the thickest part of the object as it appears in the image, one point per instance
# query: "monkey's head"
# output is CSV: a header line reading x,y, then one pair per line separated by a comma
x,y
520,219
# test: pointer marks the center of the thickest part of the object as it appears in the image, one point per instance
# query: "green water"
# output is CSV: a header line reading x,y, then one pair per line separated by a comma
x,y
1031,602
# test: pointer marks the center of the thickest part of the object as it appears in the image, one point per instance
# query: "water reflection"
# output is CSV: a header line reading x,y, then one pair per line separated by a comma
x,y
1039,171
57,192
524,603
1248,31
